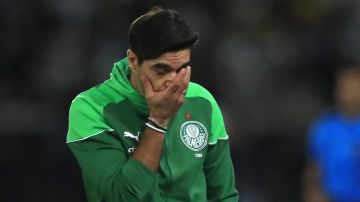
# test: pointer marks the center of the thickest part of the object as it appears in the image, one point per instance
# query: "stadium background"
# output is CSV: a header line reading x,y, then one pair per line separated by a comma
x,y
269,63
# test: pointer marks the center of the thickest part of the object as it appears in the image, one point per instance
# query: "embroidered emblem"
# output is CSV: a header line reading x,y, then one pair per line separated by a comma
x,y
194,135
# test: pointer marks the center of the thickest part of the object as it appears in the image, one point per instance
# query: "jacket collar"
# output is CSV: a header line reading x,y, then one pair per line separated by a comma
x,y
119,80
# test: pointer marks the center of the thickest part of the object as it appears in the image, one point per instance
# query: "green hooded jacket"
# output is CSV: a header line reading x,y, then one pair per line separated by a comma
x,y
105,124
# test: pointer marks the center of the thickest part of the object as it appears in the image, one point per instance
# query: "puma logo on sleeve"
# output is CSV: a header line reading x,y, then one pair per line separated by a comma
x,y
130,135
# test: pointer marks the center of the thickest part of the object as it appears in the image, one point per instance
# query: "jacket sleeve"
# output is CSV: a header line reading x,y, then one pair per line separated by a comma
x,y
218,166
219,172
109,174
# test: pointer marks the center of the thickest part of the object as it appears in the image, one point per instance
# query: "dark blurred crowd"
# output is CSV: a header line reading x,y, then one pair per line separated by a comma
x,y
269,63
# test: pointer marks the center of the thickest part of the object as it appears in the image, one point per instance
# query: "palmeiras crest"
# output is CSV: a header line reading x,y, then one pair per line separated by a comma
x,y
194,135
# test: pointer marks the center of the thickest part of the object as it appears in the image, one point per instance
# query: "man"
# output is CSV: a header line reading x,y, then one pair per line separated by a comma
x,y
148,133
333,173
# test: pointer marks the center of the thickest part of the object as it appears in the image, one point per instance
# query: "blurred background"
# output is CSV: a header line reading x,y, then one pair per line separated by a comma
x,y
269,63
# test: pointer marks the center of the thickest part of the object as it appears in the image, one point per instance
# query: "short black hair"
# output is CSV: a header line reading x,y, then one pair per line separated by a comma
x,y
158,31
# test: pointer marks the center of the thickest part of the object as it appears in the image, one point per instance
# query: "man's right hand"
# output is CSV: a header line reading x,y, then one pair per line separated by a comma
x,y
163,105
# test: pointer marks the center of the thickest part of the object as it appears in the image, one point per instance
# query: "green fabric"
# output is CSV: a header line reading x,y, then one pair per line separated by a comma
x,y
108,172
219,172
86,111
105,123
218,128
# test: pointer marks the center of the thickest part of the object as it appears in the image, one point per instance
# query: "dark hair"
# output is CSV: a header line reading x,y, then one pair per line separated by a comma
x,y
159,31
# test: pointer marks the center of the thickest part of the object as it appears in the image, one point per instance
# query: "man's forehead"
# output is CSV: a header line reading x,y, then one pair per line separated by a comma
x,y
177,57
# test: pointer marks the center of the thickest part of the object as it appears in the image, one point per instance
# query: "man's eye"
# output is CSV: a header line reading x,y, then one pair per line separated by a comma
x,y
160,72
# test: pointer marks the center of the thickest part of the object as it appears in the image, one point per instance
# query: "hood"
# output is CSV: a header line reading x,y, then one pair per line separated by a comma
x,y
119,80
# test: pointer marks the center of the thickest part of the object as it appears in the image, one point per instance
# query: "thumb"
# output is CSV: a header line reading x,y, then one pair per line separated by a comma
x,y
148,90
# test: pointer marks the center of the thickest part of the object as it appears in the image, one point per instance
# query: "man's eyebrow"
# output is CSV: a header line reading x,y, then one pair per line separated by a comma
x,y
162,66
167,67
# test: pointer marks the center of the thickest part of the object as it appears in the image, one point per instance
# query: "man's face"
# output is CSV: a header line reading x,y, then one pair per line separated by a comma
x,y
160,71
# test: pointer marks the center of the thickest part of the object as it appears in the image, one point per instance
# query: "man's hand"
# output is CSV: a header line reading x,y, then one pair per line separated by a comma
x,y
163,105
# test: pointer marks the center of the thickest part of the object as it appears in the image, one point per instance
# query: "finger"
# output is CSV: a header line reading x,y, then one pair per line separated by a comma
x,y
187,76
185,82
181,91
179,96
148,90
181,100
178,82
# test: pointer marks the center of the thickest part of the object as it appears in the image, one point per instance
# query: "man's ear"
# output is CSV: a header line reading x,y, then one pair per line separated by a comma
x,y
132,58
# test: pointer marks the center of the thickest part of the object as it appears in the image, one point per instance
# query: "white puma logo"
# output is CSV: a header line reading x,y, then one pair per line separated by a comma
x,y
130,135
